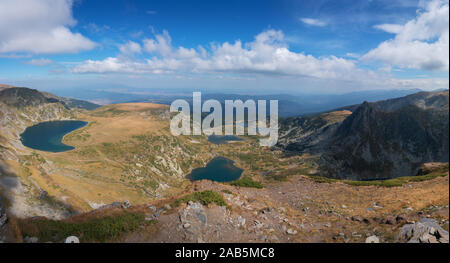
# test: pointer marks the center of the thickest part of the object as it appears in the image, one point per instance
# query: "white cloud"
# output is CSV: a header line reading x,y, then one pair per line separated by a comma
x,y
422,43
130,48
352,55
162,44
390,28
313,22
39,26
40,62
268,54
151,12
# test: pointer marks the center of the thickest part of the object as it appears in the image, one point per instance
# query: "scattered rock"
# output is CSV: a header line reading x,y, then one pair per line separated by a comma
x,y
377,206
425,231
400,219
258,225
290,231
3,217
30,240
355,234
241,221
186,225
357,218
390,220
158,213
167,207
344,207
3,220
72,239
112,205
126,205
372,239
43,194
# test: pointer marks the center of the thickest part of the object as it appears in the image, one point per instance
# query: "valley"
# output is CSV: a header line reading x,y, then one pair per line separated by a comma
x,y
127,155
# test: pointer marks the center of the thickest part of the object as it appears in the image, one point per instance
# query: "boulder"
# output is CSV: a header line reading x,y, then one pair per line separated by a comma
x,y
290,231
126,204
3,219
425,231
241,221
372,239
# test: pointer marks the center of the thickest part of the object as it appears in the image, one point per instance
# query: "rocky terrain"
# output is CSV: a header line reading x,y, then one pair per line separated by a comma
x,y
381,140
298,210
128,174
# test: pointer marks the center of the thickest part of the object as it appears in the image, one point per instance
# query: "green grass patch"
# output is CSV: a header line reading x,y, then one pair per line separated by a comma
x,y
226,191
395,182
93,230
205,198
247,182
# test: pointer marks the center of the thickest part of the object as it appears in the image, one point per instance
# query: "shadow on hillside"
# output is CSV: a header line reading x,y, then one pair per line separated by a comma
x,y
8,181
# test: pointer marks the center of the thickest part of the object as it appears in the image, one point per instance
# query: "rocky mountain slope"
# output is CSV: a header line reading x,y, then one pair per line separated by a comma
x,y
380,140
126,155
22,107
297,210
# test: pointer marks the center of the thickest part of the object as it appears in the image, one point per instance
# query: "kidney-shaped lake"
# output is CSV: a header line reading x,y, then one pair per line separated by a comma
x,y
47,136
219,169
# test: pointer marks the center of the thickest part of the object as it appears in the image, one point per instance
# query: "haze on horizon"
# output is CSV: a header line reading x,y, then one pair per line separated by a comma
x,y
271,46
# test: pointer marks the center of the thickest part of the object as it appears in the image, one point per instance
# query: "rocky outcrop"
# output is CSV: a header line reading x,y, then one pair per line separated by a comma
x,y
381,140
3,217
425,231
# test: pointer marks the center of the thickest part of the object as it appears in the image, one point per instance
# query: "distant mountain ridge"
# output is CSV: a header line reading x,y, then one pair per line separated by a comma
x,y
380,140
20,97
289,104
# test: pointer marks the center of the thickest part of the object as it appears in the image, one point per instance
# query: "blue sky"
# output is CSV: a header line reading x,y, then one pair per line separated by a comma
x,y
264,46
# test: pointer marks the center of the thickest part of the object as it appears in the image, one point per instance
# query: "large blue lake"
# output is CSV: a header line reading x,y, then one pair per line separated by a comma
x,y
47,136
219,169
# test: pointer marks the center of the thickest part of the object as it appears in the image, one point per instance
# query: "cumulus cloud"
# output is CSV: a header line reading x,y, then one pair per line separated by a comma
x,y
313,22
39,26
40,62
422,43
130,48
267,54
162,44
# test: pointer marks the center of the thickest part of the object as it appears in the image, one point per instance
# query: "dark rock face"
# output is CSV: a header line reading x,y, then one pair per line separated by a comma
x,y
23,97
3,217
383,140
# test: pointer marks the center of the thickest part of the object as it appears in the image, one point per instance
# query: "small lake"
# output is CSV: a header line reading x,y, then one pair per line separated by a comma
x,y
219,169
216,139
47,136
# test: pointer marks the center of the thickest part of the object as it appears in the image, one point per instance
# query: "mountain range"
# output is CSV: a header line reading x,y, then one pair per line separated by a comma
x,y
381,140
